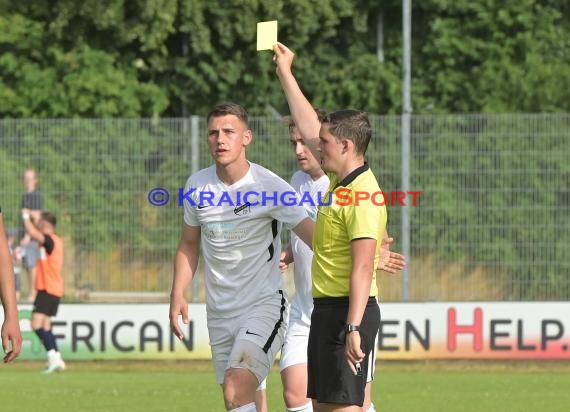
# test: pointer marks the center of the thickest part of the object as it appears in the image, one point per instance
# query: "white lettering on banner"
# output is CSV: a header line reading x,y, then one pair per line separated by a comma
x,y
486,330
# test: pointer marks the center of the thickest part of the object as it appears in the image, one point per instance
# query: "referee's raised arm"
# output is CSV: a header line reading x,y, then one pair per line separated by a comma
x,y
304,115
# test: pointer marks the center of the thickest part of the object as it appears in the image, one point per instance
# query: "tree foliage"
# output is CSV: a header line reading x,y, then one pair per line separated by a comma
x,y
495,56
119,58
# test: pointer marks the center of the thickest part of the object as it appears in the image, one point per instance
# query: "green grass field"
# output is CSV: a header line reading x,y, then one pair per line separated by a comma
x,y
190,386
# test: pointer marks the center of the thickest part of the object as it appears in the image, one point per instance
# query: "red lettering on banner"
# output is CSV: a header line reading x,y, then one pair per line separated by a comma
x,y
453,329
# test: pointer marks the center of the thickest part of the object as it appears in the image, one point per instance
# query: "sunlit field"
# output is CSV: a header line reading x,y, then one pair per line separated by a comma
x,y
190,386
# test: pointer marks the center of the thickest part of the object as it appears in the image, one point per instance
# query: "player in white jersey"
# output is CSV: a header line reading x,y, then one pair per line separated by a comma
x,y
234,211
315,186
310,179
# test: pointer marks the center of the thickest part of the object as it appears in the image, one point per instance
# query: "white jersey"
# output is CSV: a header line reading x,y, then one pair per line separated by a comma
x,y
240,239
302,254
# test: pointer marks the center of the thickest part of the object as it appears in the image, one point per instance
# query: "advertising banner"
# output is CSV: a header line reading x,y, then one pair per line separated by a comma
x,y
129,331
487,330
480,330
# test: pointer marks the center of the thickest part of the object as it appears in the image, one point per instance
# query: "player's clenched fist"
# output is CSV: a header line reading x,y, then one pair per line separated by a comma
x,y
178,307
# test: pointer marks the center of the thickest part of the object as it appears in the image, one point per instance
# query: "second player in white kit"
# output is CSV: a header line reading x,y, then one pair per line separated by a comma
x,y
295,348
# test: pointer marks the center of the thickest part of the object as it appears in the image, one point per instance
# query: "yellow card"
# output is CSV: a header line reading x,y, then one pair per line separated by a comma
x,y
266,35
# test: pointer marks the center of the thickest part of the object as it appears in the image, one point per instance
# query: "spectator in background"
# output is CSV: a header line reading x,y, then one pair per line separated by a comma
x,y
11,335
16,253
33,201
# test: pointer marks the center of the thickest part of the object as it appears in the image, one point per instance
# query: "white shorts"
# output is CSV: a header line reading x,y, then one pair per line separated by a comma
x,y
249,341
294,350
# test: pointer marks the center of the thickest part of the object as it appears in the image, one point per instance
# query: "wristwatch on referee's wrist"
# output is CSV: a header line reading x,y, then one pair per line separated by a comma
x,y
351,328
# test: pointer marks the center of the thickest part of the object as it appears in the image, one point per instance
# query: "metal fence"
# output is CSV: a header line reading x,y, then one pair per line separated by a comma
x,y
492,221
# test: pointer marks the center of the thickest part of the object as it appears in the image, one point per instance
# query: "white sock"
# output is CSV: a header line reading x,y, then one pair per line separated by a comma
x,y
250,407
371,409
305,408
52,356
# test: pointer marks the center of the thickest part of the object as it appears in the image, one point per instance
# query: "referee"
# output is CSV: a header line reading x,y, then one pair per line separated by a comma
x,y
346,245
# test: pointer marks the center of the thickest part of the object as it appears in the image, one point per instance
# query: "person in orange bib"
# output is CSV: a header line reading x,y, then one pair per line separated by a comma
x,y
48,282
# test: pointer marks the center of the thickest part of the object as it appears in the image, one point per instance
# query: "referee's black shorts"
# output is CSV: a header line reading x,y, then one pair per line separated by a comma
x,y
330,379
46,303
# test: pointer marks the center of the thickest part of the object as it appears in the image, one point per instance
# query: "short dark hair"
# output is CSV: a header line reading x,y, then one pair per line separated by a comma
x,y
49,217
351,125
228,108
320,115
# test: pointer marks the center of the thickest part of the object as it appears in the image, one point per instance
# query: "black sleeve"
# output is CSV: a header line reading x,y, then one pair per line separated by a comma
x,y
26,201
48,244
34,201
